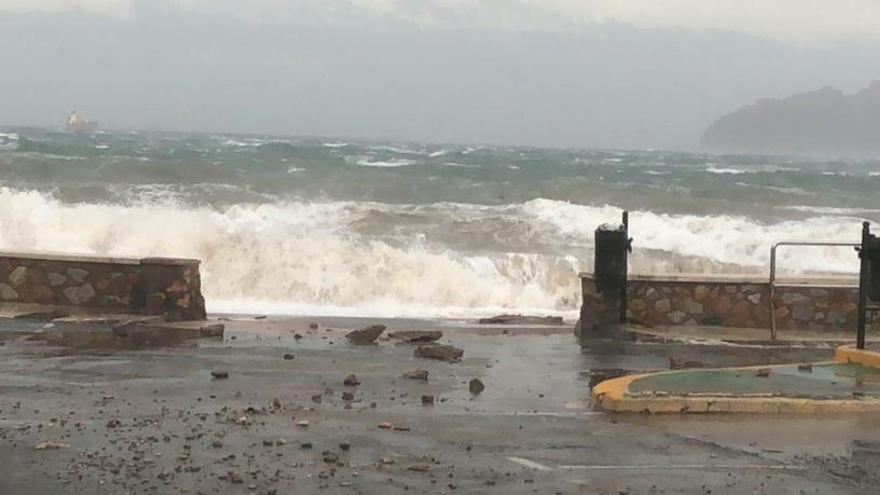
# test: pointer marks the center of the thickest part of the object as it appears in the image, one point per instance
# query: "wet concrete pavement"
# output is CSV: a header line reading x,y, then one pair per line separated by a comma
x,y
155,421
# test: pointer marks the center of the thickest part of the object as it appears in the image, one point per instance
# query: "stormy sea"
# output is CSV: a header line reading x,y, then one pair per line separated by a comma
x,y
329,226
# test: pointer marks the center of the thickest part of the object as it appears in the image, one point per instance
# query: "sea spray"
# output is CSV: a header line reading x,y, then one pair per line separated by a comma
x,y
320,257
299,225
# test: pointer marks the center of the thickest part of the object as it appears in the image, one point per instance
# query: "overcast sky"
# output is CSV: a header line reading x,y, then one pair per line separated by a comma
x,y
584,73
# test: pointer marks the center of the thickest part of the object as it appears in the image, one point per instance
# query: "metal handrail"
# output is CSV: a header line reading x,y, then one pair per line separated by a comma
x,y
773,272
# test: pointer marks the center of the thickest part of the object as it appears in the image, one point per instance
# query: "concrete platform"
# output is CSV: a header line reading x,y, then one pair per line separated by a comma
x,y
849,383
154,420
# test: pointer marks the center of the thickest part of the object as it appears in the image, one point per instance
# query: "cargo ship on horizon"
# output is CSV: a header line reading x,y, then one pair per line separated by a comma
x,y
79,125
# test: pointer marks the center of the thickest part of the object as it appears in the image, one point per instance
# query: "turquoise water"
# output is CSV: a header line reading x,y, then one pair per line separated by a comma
x,y
339,226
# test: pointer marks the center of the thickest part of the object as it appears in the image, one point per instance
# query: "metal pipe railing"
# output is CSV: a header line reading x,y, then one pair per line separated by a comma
x,y
773,273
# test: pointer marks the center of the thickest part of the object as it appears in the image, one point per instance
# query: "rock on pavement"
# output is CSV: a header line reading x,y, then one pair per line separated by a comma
x,y
366,335
417,336
441,352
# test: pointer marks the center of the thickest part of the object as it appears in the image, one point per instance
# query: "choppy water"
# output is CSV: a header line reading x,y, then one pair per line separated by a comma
x,y
328,226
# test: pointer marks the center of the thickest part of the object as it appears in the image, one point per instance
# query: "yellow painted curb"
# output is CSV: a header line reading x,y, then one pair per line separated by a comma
x,y
849,354
614,395
615,389
753,405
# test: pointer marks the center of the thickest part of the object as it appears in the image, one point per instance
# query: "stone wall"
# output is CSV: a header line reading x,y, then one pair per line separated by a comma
x,y
733,302
151,286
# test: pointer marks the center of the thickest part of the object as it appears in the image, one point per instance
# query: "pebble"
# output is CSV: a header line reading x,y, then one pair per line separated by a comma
x,y
476,386
416,374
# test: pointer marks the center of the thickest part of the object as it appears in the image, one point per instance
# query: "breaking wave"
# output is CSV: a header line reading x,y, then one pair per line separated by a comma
x,y
366,162
339,257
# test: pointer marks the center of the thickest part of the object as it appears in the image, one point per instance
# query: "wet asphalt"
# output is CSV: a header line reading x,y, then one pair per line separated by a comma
x,y
154,420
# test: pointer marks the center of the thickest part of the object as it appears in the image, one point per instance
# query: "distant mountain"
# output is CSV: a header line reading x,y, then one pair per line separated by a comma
x,y
822,122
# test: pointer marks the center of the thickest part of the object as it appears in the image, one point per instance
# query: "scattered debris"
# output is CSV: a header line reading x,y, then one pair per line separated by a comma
x,y
351,381
427,400
522,320
675,364
303,423
288,356
51,446
385,425
441,352
763,373
476,386
43,315
114,423
419,468
366,335
347,396
417,336
220,375
416,374
212,330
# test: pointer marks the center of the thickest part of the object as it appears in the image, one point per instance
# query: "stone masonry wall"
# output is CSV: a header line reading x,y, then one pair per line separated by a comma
x,y
152,286
732,302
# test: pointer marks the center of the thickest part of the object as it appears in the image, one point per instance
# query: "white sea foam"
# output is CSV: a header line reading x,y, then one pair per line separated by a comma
x,y
726,171
8,141
310,257
722,239
292,170
335,144
291,255
244,143
764,169
831,210
367,162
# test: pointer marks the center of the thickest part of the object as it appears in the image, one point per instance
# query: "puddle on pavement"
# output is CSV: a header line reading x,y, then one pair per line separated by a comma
x,y
76,338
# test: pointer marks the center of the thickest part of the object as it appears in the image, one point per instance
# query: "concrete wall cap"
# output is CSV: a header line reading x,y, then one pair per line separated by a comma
x,y
70,257
723,278
94,258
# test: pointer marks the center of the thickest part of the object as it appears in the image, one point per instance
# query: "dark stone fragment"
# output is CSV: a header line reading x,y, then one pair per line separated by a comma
x,y
441,352
476,386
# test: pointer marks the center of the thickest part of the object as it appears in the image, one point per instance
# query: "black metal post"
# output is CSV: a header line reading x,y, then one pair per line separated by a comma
x,y
863,285
625,266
